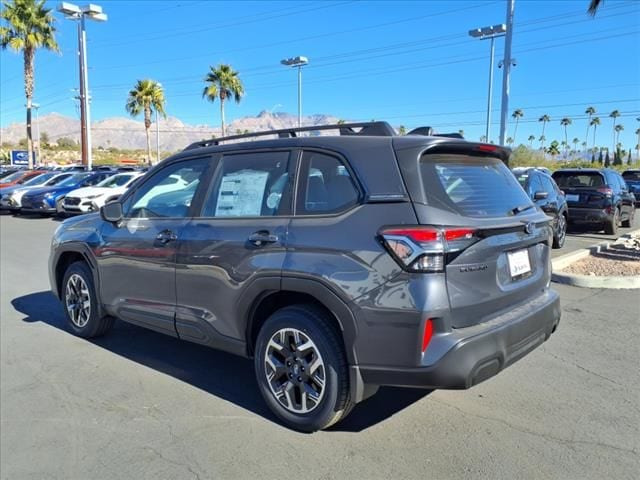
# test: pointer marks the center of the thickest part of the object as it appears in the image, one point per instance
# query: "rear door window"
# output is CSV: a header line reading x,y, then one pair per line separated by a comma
x,y
471,186
252,184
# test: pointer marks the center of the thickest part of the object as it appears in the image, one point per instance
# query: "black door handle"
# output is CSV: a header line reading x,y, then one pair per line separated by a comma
x,y
262,237
166,236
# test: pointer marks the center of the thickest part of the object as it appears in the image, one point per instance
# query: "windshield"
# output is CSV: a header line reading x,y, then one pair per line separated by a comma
x,y
472,186
115,181
73,179
58,177
38,179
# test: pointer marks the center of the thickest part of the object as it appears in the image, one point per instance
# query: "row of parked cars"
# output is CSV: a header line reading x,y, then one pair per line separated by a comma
x,y
70,191
601,198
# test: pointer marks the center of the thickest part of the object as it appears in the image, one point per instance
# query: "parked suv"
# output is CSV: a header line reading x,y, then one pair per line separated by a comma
x,y
338,263
597,197
544,192
632,179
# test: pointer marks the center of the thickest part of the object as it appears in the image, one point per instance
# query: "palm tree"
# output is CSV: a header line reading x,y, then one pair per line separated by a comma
x,y
565,122
146,96
509,141
483,138
595,121
638,145
542,139
531,139
589,111
615,114
517,114
553,149
618,129
223,83
593,7
544,119
575,142
29,27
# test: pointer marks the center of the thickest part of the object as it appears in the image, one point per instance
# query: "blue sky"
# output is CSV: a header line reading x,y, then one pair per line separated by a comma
x,y
408,62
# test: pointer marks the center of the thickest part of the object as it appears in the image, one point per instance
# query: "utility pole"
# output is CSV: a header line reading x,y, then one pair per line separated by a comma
x,y
298,62
507,63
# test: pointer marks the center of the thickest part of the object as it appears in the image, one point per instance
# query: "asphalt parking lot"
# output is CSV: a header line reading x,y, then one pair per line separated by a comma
x,y
136,404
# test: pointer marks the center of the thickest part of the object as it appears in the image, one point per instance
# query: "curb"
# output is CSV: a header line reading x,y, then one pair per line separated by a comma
x,y
591,281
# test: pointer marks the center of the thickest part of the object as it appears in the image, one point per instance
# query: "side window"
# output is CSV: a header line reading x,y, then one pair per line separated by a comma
x,y
548,185
621,182
535,185
250,185
169,192
326,185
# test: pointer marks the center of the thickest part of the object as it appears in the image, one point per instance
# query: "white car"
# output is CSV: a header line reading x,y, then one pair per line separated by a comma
x,y
90,199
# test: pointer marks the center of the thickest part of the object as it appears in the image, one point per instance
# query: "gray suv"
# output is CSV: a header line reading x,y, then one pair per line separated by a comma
x,y
338,263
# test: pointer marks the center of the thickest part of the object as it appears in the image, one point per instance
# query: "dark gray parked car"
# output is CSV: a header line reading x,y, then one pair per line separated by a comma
x,y
339,263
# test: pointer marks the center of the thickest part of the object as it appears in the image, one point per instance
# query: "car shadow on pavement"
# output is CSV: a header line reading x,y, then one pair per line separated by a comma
x,y
206,368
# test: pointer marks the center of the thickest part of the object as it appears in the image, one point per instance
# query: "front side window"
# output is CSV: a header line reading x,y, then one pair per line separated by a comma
x,y
328,186
169,192
249,185
535,185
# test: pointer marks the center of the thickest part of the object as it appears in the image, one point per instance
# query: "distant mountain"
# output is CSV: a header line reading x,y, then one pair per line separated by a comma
x,y
122,132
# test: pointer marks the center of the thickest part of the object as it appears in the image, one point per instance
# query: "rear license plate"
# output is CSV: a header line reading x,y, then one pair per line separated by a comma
x,y
572,197
518,262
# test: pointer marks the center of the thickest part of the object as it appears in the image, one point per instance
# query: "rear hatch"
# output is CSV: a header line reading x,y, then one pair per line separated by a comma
x,y
583,189
494,241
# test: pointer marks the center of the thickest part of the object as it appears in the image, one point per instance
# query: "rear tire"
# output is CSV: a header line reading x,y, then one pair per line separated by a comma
x,y
611,227
561,232
82,311
629,221
306,388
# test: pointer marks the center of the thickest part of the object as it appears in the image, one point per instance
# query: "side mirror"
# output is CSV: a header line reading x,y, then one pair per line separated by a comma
x,y
112,212
540,195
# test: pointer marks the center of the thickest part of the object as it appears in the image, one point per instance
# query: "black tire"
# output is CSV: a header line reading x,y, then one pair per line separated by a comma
x,y
629,221
611,227
335,402
97,323
560,234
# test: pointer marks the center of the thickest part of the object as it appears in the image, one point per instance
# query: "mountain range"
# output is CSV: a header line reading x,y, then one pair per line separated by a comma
x,y
126,133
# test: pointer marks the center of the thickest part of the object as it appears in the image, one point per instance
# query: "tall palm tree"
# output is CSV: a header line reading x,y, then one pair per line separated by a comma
x,y
618,129
615,114
145,97
575,142
595,121
29,26
531,139
553,149
517,114
591,112
544,119
222,82
593,7
638,144
565,122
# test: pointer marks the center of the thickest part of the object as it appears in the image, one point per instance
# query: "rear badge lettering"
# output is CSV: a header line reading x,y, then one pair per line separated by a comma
x,y
473,268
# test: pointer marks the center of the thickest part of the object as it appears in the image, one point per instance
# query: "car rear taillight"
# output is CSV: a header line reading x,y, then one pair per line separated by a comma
x,y
606,191
424,249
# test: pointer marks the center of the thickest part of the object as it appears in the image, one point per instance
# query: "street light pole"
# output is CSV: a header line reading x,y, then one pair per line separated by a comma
x,y
508,63
490,33
158,134
36,106
74,12
297,62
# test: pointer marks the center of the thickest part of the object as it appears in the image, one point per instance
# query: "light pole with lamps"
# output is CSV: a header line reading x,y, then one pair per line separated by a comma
x,y
491,33
74,12
297,62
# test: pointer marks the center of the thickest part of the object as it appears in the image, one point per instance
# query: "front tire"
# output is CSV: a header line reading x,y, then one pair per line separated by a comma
x,y
301,368
82,311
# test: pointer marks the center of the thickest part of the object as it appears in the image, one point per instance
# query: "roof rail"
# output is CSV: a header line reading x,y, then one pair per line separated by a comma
x,y
377,129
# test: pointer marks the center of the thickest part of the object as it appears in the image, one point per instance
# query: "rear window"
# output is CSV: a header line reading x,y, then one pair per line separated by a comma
x,y
630,175
578,179
471,186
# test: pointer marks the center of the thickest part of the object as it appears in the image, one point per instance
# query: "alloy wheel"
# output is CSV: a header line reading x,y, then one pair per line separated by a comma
x,y
295,370
78,300
562,230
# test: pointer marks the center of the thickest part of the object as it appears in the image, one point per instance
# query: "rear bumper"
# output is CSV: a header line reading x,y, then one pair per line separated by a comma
x,y
481,351
589,215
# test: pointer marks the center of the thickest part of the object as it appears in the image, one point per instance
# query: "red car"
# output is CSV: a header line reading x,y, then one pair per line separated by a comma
x,y
19,177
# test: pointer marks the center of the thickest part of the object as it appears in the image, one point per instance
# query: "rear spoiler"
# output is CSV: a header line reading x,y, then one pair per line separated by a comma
x,y
471,148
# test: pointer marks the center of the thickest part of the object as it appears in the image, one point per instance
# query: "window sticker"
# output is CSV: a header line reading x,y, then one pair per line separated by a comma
x,y
241,194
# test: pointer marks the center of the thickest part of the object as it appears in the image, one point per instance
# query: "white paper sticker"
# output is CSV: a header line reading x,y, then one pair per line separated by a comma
x,y
241,194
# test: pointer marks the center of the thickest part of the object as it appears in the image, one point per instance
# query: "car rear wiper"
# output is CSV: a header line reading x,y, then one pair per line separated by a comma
x,y
521,208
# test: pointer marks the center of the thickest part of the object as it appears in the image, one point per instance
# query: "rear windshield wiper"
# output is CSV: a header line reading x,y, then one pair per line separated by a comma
x,y
521,208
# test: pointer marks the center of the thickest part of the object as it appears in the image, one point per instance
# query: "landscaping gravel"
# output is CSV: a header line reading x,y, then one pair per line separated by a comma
x,y
619,259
